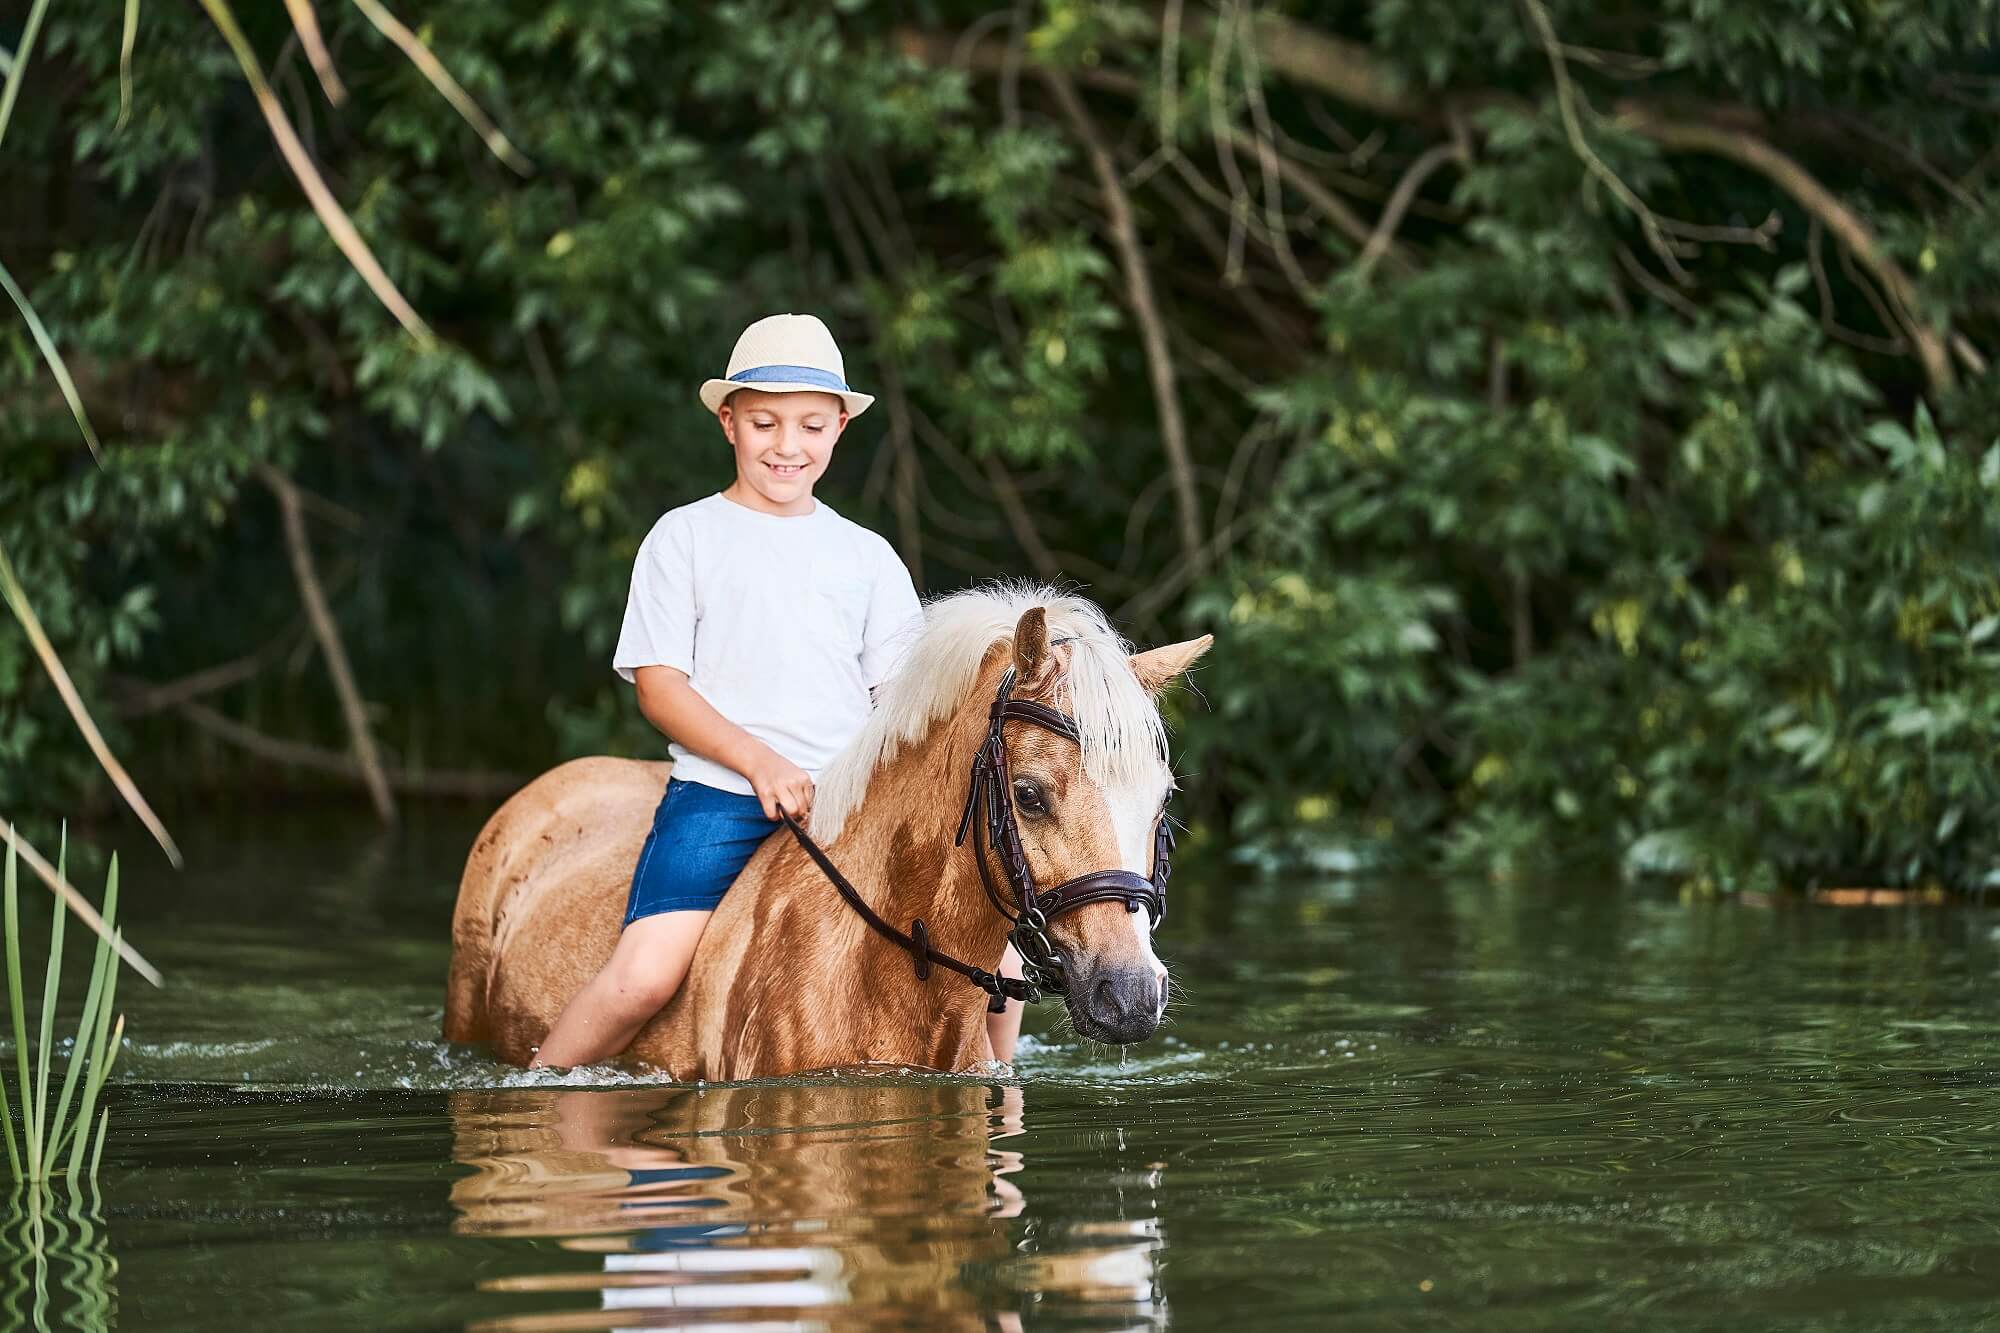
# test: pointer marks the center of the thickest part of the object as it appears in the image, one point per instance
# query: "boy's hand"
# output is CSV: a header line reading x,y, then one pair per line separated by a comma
x,y
781,784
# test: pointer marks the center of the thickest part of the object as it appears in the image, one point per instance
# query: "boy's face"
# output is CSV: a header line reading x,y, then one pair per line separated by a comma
x,y
783,442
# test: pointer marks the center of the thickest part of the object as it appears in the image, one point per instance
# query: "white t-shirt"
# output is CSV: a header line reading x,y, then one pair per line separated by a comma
x,y
783,624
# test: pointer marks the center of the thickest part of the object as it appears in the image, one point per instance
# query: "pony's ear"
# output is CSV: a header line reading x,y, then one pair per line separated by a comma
x,y
1031,644
1159,667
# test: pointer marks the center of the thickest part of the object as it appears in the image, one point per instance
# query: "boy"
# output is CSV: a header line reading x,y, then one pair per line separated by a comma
x,y
758,625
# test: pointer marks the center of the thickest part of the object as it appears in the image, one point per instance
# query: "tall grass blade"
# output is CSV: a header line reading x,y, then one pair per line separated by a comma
x,y
7,1111
38,1112
78,903
17,600
57,366
104,1055
433,69
18,1007
125,44
20,66
305,22
86,1026
103,1123
335,220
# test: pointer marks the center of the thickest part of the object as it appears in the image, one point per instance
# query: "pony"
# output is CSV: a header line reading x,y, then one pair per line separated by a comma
x,y
788,977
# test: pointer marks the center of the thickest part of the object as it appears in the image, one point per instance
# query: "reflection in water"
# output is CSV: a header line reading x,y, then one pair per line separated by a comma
x,y
878,1202
59,1269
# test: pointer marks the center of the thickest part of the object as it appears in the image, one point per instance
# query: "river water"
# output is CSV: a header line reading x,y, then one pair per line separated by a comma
x,y
1376,1105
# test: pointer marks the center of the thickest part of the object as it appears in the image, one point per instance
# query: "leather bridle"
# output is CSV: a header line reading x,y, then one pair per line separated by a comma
x,y
1034,908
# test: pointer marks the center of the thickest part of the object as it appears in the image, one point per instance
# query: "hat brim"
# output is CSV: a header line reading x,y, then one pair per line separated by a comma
x,y
713,392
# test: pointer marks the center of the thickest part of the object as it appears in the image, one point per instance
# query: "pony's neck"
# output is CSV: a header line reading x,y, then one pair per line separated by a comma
x,y
897,849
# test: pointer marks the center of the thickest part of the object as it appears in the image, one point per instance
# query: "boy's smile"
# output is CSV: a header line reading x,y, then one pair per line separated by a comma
x,y
783,442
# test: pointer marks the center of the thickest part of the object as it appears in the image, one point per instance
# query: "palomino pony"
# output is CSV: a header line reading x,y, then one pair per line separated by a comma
x,y
789,977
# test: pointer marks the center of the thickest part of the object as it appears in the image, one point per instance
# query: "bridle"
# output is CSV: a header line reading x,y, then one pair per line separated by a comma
x,y
1042,962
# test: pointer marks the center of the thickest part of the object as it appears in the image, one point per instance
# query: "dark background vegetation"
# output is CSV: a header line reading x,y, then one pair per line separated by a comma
x,y
1572,419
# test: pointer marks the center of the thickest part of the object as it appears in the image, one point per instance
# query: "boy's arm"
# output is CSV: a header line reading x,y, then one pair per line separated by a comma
x,y
677,709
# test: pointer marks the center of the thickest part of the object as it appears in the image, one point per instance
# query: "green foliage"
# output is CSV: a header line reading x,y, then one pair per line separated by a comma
x,y
1529,541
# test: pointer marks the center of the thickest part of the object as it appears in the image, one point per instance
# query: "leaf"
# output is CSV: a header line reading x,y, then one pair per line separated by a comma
x,y
305,22
337,223
54,358
125,43
19,68
77,903
1662,852
433,69
17,600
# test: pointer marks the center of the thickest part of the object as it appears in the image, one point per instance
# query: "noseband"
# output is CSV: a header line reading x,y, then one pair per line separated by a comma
x,y
1042,962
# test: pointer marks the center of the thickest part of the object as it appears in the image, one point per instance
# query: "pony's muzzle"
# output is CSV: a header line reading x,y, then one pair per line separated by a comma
x,y
1120,1004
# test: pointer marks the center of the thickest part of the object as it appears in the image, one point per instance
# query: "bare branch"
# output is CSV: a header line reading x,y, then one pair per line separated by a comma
x,y
1760,235
1658,290
209,680
298,754
1566,102
1828,323
1845,224
330,645
1348,71
1139,285
1267,157
1005,492
845,203
1406,189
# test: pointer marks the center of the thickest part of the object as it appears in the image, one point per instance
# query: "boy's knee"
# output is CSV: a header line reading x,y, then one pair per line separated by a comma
x,y
642,986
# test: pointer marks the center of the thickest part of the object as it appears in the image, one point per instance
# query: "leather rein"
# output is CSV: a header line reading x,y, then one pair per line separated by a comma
x,y
1042,962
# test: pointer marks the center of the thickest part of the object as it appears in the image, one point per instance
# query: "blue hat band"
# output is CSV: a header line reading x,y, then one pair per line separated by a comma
x,y
791,375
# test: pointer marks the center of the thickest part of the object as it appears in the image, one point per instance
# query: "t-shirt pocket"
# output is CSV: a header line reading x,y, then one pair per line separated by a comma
x,y
840,608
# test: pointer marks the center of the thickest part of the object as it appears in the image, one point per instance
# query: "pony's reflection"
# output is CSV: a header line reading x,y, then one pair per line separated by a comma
x,y
861,1203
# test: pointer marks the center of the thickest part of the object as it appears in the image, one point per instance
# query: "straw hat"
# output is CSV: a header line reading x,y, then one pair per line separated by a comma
x,y
786,354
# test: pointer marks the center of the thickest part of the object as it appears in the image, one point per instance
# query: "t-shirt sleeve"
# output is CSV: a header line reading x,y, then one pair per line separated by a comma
x,y
894,617
660,610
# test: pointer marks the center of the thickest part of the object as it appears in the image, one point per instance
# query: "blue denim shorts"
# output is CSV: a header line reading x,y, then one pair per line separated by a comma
x,y
701,839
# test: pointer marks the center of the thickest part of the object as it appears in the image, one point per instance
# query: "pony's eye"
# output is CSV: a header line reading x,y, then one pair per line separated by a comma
x,y
1028,797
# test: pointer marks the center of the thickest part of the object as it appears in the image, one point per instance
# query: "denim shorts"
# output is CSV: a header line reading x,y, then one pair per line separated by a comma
x,y
701,839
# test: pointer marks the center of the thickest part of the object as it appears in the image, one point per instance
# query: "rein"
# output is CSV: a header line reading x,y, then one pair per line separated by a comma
x,y
1041,961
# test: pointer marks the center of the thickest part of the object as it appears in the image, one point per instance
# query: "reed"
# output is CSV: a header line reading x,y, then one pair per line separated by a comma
x,y
36,1150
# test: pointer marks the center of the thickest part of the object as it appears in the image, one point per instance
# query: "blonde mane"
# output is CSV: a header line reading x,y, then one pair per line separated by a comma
x,y
1124,740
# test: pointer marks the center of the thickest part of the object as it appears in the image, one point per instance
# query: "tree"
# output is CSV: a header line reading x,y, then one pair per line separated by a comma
x,y
1574,420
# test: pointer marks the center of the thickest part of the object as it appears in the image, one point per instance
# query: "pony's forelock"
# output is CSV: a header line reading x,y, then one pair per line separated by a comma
x,y
1124,740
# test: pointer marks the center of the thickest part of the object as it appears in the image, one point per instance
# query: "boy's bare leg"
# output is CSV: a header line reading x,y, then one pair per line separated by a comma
x,y
1004,1029
645,970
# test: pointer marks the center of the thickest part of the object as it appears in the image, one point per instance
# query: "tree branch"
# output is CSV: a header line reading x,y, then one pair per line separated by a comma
x,y
314,596
1846,225
1019,521
1406,189
1139,285
298,754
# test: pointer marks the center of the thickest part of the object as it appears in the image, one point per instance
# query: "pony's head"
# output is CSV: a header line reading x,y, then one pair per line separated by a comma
x,y
1096,804
1081,805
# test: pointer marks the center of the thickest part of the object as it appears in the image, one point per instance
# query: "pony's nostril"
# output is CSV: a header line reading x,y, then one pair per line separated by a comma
x,y
1105,996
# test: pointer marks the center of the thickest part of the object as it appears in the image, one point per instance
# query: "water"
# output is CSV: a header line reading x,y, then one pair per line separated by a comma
x,y
1376,1106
